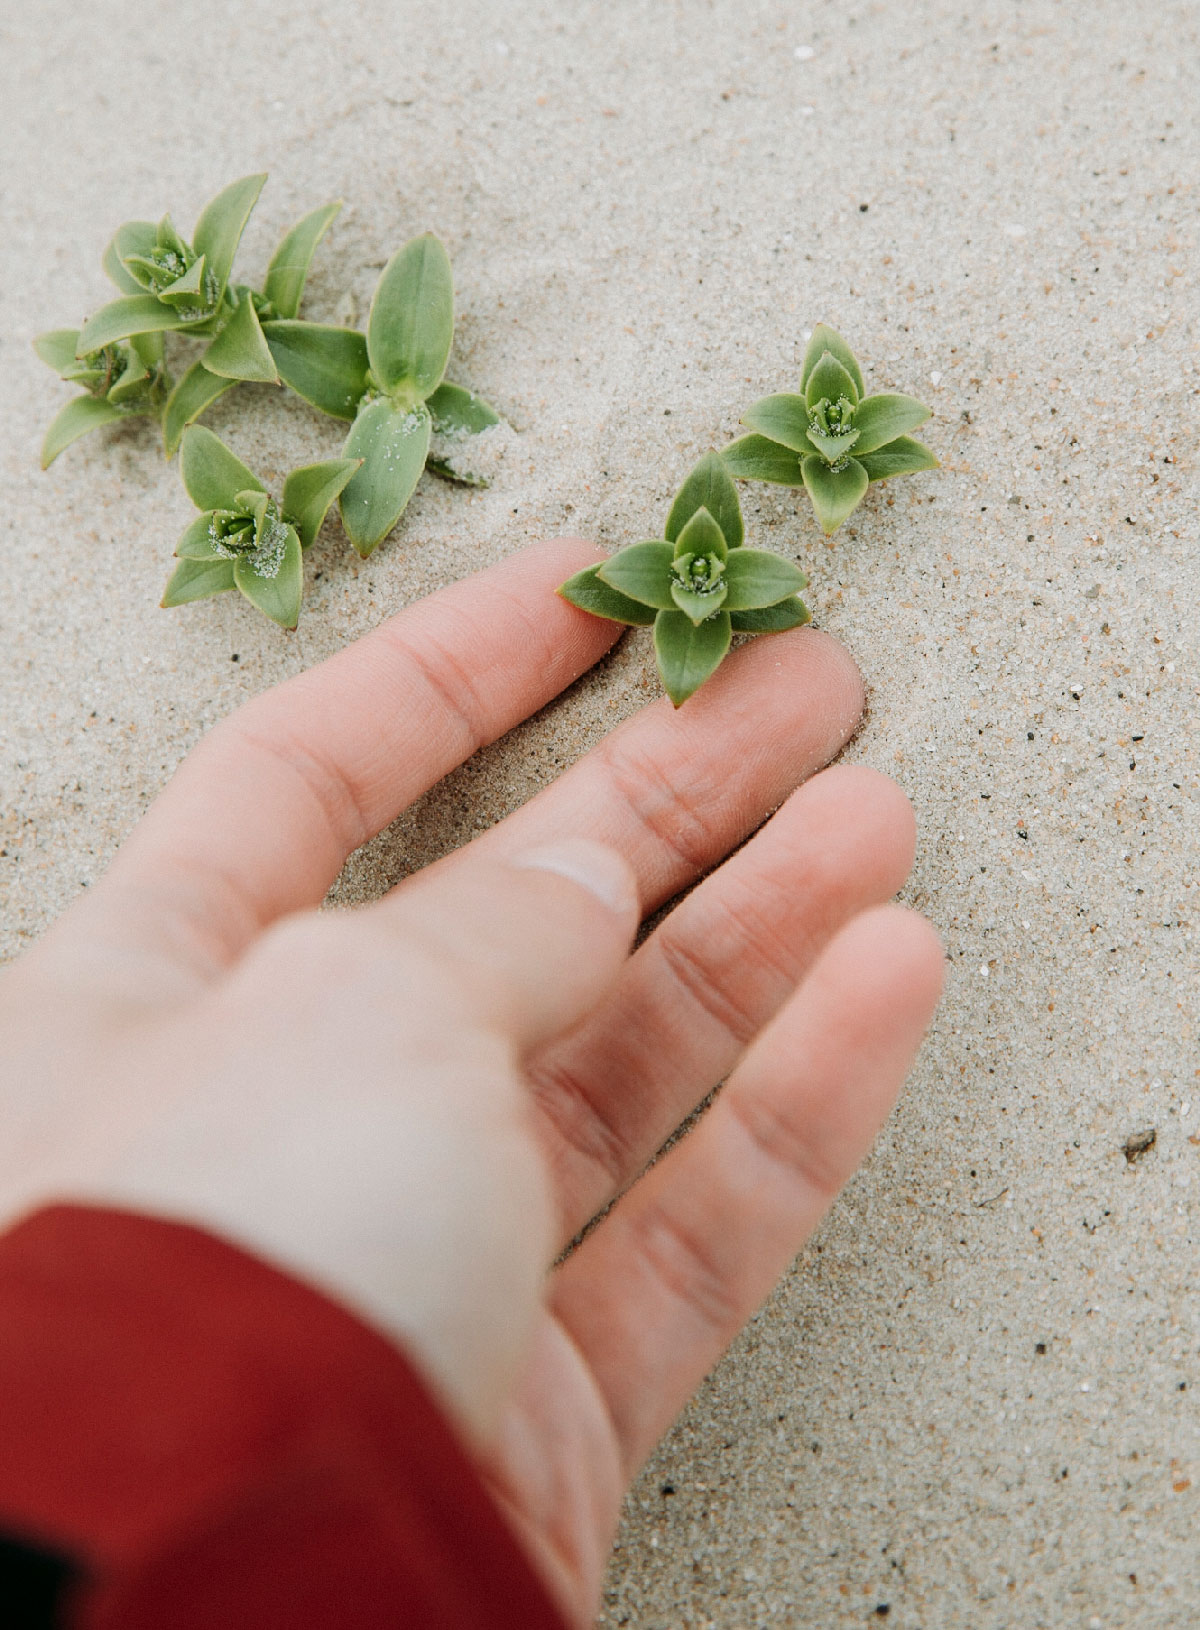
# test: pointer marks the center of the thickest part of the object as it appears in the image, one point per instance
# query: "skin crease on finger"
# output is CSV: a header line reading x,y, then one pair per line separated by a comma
x,y
717,969
263,812
649,1302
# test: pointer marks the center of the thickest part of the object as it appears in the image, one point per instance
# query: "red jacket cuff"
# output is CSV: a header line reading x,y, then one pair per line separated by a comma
x,y
210,1442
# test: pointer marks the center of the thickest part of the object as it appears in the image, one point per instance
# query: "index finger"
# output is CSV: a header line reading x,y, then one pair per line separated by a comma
x,y
261,815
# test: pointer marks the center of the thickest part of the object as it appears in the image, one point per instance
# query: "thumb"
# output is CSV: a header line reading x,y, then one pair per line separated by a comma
x,y
532,939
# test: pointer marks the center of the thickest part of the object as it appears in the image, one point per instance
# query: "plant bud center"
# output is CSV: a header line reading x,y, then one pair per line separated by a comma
x,y
832,418
232,533
699,573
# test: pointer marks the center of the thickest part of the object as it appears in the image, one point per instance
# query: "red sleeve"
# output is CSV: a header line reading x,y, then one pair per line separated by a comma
x,y
207,1442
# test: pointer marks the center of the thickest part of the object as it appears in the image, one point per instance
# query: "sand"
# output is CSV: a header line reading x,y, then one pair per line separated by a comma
x,y
974,1401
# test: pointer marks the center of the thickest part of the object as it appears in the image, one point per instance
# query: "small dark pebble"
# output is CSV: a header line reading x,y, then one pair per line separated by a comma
x,y
1040,1348
668,1488
235,657
1140,1143
882,1609
863,208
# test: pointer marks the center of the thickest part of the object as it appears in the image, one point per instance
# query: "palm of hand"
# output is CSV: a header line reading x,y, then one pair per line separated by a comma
x,y
543,1066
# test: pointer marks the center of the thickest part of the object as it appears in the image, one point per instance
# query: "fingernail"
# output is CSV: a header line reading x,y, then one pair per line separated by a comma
x,y
593,866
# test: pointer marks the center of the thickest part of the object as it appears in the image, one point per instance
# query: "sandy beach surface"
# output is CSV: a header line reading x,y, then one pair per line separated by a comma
x,y
974,1401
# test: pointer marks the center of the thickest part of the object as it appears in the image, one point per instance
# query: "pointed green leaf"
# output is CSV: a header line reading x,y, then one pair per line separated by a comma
x,y
197,542
710,487
89,374
87,377
695,605
755,458
57,348
288,271
783,419
149,347
145,271
641,572
131,238
904,456
166,237
197,389
188,296
589,593
273,580
834,493
756,578
701,536
221,223
828,339
829,379
212,475
833,448
411,324
130,387
196,580
324,365
880,419
776,619
450,472
458,417
309,491
134,314
458,412
240,351
687,653
392,444
81,414
256,503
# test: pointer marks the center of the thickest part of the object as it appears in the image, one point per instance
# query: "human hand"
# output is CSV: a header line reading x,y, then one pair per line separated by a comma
x,y
418,1104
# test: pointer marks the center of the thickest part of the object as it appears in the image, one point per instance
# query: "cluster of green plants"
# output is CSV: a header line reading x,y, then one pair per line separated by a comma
x,y
388,383
698,584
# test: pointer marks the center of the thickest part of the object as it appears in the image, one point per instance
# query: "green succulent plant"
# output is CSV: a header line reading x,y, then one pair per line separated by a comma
x,y
832,439
389,382
119,381
698,584
243,539
171,285
168,283
239,350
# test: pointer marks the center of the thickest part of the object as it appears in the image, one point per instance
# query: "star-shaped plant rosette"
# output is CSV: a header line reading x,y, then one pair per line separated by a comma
x,y
698,585
834,439
119,381
243,539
